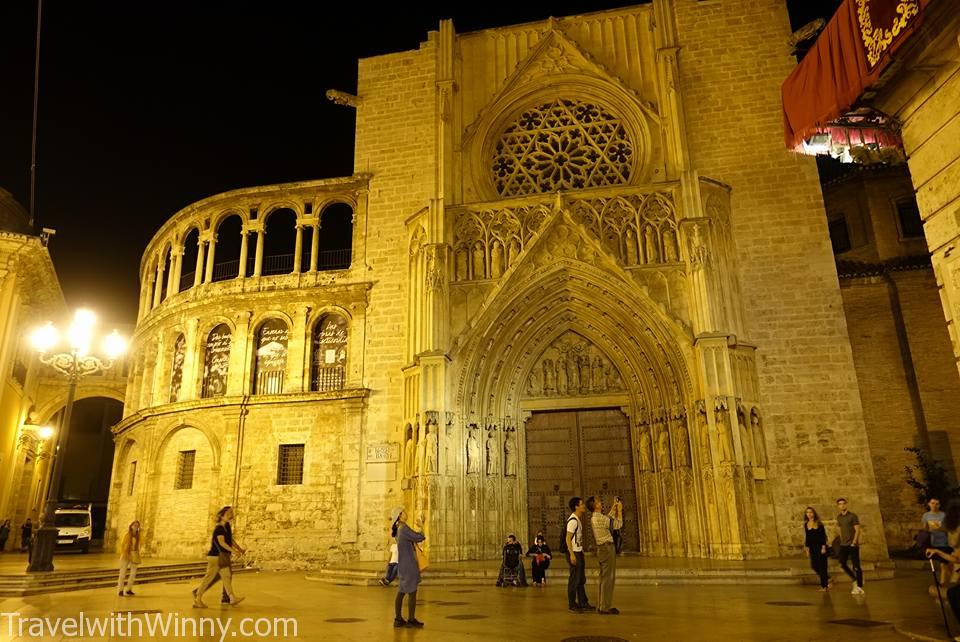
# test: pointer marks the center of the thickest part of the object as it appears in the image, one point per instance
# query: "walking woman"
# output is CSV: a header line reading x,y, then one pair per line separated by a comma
x,y
129,557
222,548
407,538
815,541
4,534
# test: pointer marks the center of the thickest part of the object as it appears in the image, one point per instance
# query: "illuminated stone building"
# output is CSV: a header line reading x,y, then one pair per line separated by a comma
x,y
579,261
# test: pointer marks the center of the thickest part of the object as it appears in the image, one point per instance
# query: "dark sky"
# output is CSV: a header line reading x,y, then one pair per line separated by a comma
x,y
147,107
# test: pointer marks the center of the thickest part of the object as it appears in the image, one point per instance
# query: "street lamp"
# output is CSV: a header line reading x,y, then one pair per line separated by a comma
x,y
71,358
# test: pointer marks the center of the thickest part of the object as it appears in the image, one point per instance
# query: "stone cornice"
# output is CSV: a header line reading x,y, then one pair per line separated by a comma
x,y
351,396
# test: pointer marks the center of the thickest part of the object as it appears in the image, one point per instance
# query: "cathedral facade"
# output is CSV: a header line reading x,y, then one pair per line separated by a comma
x,y
578,261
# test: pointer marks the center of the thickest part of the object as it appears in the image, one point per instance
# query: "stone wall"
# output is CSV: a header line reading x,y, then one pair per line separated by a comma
x,y
733,58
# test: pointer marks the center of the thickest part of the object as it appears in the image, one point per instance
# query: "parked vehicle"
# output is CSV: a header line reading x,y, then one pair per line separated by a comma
x,y
74,527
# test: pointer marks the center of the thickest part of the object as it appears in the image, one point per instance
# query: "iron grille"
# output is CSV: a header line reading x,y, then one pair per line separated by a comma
x,y
290,465
185,464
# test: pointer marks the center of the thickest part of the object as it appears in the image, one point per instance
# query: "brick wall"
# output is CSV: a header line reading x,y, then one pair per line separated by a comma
x,y
733,58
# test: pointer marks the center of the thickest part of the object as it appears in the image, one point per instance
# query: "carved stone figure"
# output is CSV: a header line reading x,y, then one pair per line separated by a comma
x,y
746,444
421,446
646,448
650,244
759,441
613,379
510,455
410,455
513,251
683,442
461,265
723,430
432,447
549,377
663,450
670,254
479,270
585,383
703,431
493,455
473,452
561,376
631,243
573,372
447,440
533,386
496,260
599,379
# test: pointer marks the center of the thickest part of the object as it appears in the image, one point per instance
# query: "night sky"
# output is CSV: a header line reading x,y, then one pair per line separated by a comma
x,y
148,107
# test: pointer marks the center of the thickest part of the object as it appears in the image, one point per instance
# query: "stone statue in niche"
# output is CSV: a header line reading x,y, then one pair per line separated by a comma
x,y
746,444
670,246
650,244
663,449
533,386
513,251
561,376
631,243
585,384
410,454
549,377
699,254
479,270
683,442
433,452
759,442
598,375
447,440
473,450
703,431
646,448
723,430
496,260
461,265
573,371
510,454
493,452
613,379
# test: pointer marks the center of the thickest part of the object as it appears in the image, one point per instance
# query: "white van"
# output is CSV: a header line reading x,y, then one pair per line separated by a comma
x,y
74,527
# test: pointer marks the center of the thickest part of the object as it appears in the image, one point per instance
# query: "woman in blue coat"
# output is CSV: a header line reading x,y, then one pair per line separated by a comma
x,y
407,538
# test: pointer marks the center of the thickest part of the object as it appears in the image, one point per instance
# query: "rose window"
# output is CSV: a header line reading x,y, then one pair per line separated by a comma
x,y
561,145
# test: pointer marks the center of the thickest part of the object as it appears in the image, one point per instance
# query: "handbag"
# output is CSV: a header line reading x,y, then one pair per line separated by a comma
x,y
223,557
135,557
422,562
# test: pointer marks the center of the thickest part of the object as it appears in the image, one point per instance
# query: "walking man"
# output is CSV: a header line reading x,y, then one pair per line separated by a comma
x,y
850,532
606,552
576,585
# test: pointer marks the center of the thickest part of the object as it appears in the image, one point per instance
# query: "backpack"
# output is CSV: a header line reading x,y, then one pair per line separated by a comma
x,y
563,535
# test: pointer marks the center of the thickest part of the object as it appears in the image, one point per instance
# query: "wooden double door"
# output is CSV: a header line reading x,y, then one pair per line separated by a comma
x,y
579,453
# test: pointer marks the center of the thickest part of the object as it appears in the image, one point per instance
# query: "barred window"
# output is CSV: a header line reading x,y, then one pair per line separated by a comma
x,y
290,464
270,358
185,464
329,353
132,479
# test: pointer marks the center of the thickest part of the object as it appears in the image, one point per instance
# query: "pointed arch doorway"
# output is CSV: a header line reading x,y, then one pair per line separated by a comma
x,y
580,452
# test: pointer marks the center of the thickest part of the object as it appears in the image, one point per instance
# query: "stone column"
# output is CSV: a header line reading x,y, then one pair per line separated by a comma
x,y
298,249
146,295
158,284
198,271
237,379
191,365
208,277
297,350
315,244
173,280
258,261
244,249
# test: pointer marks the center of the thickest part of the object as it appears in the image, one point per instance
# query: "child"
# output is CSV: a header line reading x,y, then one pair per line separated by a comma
x,y
391,567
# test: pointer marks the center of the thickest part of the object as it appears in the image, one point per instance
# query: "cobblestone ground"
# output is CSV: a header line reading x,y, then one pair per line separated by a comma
x,y
331,612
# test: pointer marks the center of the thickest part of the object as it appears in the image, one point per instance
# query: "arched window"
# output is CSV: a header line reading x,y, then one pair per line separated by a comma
x,y
336,237
216,362
227,248
270,364
188,262
328,352
176,368
280,239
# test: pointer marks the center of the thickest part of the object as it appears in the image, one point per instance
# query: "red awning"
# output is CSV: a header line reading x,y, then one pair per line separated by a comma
x,y
848,56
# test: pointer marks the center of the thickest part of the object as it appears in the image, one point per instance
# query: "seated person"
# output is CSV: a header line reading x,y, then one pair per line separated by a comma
x,y
512,566
541,555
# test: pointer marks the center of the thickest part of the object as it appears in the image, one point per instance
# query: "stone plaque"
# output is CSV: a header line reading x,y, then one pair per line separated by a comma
x,y
384,452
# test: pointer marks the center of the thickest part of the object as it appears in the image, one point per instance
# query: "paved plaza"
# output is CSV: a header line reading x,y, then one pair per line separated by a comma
x,y
326,611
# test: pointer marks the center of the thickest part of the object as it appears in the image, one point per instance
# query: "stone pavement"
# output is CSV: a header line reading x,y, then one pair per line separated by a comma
x,y
329,612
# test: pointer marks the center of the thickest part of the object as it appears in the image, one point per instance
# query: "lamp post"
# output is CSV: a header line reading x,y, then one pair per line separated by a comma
x,y
74,361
